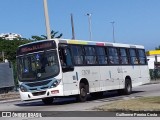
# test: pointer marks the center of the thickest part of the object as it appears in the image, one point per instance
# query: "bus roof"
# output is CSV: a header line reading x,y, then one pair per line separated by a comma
x,y
83,42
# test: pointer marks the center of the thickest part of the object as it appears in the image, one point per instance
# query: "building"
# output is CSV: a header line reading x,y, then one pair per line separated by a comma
x,y
10,36
153,57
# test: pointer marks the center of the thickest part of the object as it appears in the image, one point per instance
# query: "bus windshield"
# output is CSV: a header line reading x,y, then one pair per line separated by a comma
x,y
38,66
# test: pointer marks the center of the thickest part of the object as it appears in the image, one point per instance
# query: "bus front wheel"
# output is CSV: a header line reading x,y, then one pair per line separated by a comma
x,y
82,97
48,100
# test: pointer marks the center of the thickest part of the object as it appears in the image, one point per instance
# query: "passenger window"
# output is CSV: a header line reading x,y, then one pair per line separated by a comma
x,y
102,56
124,56
133,56
77,54
113,55
90,55
142,57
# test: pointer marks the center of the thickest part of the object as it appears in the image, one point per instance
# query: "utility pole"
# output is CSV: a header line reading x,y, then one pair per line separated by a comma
x,y
72,24
113,31
89,21
47,19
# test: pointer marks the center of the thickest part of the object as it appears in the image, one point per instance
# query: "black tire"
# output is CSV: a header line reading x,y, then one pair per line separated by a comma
x,y
47,101
82,97
128,87
97,94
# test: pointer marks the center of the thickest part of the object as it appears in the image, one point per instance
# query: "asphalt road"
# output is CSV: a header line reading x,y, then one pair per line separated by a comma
x,y
70,104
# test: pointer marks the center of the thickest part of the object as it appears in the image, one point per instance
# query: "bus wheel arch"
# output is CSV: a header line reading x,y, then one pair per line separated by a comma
x,y
85,81
83,90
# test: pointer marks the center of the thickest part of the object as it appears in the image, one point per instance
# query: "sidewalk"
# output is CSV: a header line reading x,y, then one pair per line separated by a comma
x,y
10,96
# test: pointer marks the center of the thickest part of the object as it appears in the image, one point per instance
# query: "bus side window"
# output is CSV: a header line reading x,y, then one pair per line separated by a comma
x,y
123,56
62,56
77,52
101,55
113,55
133,56
142,57
66,59
90,55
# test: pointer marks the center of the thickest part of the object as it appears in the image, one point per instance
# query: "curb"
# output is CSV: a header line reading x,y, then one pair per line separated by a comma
x,y
153,82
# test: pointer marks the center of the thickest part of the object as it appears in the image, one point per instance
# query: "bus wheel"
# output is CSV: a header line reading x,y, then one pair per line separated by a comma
x,y
82,97
128,87
48,100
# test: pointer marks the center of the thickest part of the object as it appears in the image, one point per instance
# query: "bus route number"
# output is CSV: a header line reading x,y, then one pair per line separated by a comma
x,y
85,72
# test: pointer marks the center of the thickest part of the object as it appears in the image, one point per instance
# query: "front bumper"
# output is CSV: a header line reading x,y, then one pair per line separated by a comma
x,y
51,92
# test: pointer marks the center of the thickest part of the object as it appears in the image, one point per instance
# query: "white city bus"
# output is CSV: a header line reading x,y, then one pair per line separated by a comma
x,y
55,68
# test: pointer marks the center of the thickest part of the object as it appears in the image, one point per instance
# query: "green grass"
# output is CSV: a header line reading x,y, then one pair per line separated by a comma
x,y
139,104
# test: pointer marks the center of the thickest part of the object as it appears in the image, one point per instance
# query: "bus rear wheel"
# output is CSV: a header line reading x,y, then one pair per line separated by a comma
x,y
47,101
127,89
82,97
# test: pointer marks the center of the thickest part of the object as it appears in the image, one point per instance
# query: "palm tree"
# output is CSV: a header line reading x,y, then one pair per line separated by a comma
x,y
44,37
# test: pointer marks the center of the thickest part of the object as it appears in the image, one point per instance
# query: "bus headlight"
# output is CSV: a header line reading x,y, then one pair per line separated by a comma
x,y
55,83
23,88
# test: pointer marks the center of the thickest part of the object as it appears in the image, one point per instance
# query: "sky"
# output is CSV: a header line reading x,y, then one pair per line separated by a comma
x,y
136,21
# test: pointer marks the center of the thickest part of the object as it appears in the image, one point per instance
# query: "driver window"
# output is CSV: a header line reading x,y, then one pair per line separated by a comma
x,y
65,57
68,58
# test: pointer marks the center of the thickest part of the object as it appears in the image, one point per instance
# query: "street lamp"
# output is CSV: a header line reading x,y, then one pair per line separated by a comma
x,y
113,31
89,21
47,19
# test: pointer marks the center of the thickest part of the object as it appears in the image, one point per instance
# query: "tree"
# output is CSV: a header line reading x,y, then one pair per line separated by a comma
x,y
37,38
158,48
9,48
44,37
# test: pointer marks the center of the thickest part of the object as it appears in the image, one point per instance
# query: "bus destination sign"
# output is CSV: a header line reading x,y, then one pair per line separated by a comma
x,y
40,46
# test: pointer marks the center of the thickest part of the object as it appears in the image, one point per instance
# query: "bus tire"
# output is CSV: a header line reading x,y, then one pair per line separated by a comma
x,y
128,87
47,101
82,97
